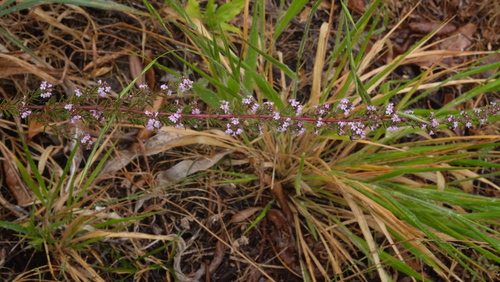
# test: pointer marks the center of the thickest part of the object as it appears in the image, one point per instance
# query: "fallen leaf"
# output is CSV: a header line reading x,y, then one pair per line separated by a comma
x,y
357,6
154,145
220,251
244,214
461,39
428,27
188,167
277,190
135,67
16,186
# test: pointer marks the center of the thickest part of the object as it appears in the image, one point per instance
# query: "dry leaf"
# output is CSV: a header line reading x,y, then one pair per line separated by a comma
x,y
22,194
154,145
189,167
135,67
461,39
244,214
428,27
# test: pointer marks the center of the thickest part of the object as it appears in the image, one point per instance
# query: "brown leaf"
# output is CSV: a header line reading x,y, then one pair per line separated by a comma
x,y
357,6
284,241
188,167
461,39
428,27
135,66
244,214
220,251
277,190
15,185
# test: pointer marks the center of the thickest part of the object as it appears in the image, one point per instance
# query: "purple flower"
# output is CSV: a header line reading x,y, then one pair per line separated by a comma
x,y
75,118
319,123
185,84
68,107
224,105
392,128
254,108
78,92
434,122
25,113
395,118
247,101
283,126
46,89
296,106
85,138
235,121
153,124
164,88
390,109
104,88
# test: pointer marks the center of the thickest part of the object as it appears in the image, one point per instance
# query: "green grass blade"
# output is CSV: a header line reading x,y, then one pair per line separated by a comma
x,y
295,7
99,4
259,217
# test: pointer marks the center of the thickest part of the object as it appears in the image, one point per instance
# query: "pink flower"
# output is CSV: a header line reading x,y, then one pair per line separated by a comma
x,y
390,109
25,113
392,128
153,124
78,92
75,118
185,84
104,88
224,105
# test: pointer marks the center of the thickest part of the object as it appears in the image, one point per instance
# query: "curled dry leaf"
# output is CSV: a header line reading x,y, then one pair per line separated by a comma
x,y
22,194
135,66
244,214
220,251
182,247
156,144
189,167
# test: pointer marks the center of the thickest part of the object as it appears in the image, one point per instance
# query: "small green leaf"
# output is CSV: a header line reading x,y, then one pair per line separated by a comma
x,y
15,227
207,95
193,9
228,27
229,10
210,10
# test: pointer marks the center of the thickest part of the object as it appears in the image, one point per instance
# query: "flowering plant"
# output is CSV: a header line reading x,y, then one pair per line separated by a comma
x,y
342,119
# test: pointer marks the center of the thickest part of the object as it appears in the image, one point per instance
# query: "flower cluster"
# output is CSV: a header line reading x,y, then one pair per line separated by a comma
x,y
343,118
